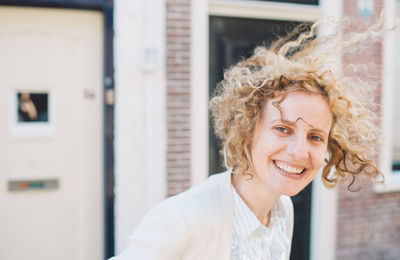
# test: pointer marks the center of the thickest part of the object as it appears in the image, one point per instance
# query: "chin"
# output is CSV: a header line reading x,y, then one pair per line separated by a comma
x,y
291,192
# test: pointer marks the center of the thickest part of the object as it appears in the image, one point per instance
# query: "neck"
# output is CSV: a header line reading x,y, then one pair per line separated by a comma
x,y
257,196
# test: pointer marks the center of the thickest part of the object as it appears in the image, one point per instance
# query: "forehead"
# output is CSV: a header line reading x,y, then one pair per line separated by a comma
x,y
313,109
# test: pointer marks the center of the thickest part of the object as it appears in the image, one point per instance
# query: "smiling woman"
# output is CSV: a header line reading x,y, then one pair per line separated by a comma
x,y
288,151
280,114
302,65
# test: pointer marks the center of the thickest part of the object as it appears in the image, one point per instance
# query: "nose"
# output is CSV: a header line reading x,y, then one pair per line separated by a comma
x,y
298,148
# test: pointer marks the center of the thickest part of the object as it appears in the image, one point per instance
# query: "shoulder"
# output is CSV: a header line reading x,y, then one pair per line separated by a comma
x,y
202,213
206,199
179,223
217,185
206,208
161,234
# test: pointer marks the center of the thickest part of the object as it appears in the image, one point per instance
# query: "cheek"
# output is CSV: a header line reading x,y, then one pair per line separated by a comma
x,y
263,144
319,157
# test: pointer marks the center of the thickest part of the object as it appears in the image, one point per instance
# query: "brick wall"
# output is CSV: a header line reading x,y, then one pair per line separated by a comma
x,y
368,223
178,95
368,226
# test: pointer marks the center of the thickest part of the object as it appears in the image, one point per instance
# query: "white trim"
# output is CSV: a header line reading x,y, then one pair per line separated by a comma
x,y
265,10
154,79
392,181
140,119
199,92
323,221
324,201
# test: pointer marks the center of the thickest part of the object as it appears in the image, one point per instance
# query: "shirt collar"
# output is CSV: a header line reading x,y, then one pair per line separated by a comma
x,y
246,223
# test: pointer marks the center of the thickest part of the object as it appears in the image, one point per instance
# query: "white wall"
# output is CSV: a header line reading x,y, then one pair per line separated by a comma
x,y
140,139
199,91
324,201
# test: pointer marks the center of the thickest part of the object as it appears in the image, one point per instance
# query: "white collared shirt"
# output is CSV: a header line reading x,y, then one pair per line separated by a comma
x,y
252,240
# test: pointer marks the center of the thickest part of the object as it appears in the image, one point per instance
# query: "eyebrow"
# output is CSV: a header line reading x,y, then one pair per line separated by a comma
x,y
294,123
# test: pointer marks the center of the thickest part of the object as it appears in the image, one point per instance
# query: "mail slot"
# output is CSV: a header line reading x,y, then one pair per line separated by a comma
x,y
25,185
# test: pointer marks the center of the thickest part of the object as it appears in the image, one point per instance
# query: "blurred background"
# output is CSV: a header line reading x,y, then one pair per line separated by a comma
x,y
104,113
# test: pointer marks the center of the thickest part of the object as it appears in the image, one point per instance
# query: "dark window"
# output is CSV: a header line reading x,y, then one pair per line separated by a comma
x,y
232,39
396,165
33,107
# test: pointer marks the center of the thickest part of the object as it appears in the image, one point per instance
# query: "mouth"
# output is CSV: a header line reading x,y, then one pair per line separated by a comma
x,y
289,169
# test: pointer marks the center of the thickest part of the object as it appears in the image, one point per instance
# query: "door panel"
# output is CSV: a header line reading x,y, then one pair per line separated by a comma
x,y
232,39
51,60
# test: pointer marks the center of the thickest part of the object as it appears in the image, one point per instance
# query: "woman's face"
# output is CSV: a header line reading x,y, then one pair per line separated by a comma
x,y
288,151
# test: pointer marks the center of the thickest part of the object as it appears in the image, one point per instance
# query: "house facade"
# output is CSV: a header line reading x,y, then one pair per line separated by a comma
x,y
125,86
341,224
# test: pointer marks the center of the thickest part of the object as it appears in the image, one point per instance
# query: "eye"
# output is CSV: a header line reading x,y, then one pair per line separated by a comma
x,y
316,138
282,129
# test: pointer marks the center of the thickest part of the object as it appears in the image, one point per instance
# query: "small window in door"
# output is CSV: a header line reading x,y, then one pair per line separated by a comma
x,y
32,107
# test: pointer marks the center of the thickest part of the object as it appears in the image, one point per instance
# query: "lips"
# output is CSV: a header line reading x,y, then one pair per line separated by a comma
x,y
289,169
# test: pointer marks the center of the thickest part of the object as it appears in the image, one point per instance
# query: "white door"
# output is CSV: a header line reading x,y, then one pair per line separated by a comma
x,y
51,174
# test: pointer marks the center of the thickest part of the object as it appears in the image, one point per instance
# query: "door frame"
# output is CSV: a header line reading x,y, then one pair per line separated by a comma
x,y
324,201
106,7
390,38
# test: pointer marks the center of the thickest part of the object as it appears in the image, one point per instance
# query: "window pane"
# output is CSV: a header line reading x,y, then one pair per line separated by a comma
x,y
32,107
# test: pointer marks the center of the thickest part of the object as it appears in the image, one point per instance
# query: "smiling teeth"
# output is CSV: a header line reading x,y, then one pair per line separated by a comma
x,y
287,168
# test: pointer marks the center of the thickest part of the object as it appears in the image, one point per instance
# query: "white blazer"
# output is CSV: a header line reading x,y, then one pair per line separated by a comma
x,y
196,224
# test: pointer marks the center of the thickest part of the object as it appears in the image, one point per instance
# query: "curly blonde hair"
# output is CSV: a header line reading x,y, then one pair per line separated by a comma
x,y
300,62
